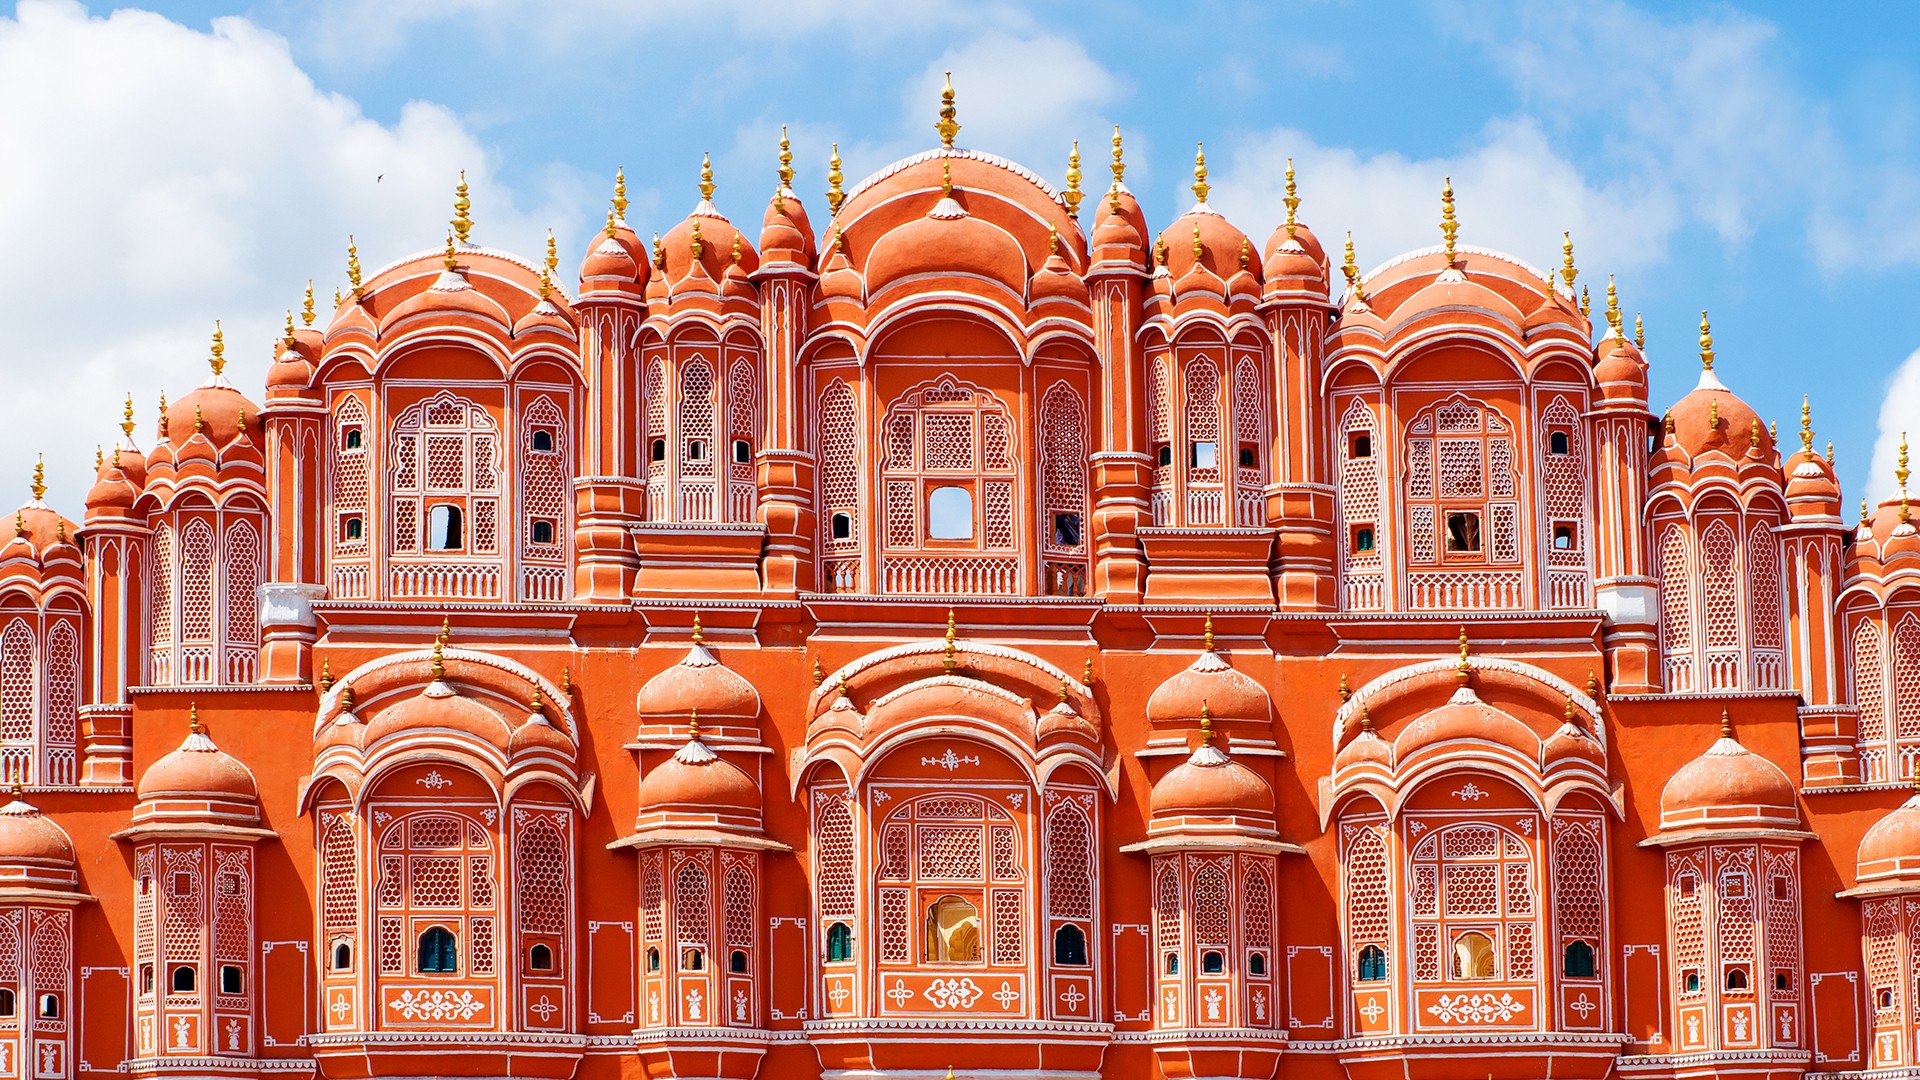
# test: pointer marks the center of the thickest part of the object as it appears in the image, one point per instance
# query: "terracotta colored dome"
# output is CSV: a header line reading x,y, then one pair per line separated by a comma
x,y
1221,244
1120,233
1057,281
948,241
695,780
1572,743
786,235
449,711
42,527
1212,683
217,406
1366,748
1712,417
198,768
1465,718
452,293
1729,787
699,683
1621,371
1294,256
718,239
1891,849
33,849
1211,784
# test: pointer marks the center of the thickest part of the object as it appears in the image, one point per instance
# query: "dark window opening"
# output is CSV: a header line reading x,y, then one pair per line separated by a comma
x,y
49,1006
231,980
1463,532
543,440
1563,538
350,438
1691,980
443,527
7,1005
737,962
1069,945
1559,443
1257,964
1737,978
1373,964
540,958
1363,539
1213,962
843,526
742,451
1687,886
1360,446
543,532
1173,963
439,955
146,978
1578,962
353,528
1066,530
342,956
1780,888
839,942
696,450
653,959
658,450
693,960
1164,456
182,884
1782,980
1249,457
1885,998
184,980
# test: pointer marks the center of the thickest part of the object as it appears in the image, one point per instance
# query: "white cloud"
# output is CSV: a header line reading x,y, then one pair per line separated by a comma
x,y
1001,108
1512,191
1899,415
163,177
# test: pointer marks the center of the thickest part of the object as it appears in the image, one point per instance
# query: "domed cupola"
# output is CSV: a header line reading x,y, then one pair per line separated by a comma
x,y
947,240
1728,789
786,235
199,790
1889,856
1210,798
1711,419
1204,250
1813,491
297,355
699,685
616,262
1119,226
695,788
36,855
548,318
698,253
1620,368
197,427
1056,281
1293,260
42,538
1211,686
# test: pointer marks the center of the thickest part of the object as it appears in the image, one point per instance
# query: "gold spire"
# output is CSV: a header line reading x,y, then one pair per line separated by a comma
x,y
706,177
306,305
353,268
735,253
462,221
834,195
449,260
1293,203
1613,310
946,177
1568,271
1199,249
1200,185
1829,453
1063,690
1901,473
336,296
1366,719
126,418
218,358
786,161
1346,691
439,661
1726,724
193,718
1464,672
693,725
1206,634
694,243
1246,253
620,192
40,478
1119,165
819,674
100,457
1160,249
1073,196
1449,224
1593,685
1706,343
289,338
1053,240
1352,270
1586,303
537,706
1753,433
566,680
699,634
611,228
199,421
1086,672
947,660
163,414
553,254
659,252
325,682
1639,332
947,126
1713,412
546,283
1206,723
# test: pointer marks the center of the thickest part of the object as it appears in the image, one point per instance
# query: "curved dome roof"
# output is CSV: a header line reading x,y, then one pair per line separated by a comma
x,y
198,768
948,240
1209,784
697,787
1890,852
1729,787
34,852
1712,417
699,684
1212,685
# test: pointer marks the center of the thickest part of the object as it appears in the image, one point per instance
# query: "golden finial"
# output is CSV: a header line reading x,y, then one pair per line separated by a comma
x,y
946,177
1352,270
353,268
1639,332
199,421
786,161
1063,690
1726,724
1593,685
1293,203
1464,671
706,177
337,298
566,680
462,221
1073,196
1916,779
1864,513
949,1072
446,628
451,262
1206,634
694,243
60,530
346,698
1829,453
819,674
193,718
735,253
1613,310
1200,185
948,661
163,414
1806,423
1449,224
1773,431
326,675
659,252
1366,719
620,192
553,253
1346,692
699,635
288,337
1713,412
834,195
611,228
306,305
1753,433
242,421
1706,343
99,457
1568,713
1086,672
439,661
947,126
218,359
1246,253
1119,165
1206,723
839,241
841,687
1568,271
537,706
40,479
1198,248
126,418
1160,249
693,725
1586,303
1900,473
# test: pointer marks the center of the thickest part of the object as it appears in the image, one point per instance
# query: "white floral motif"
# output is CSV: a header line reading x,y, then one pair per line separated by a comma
x,y
1259,1004
1476,1008
1073,997
1740,1021
1470,792
1583,1005
544,1009
1006,996
438,1004
693,1004
950,760
840,993
739,1004
341,1008
953,993
900,994
433,781
653,1006
233,1034
1372,1010
181,1034
1016,799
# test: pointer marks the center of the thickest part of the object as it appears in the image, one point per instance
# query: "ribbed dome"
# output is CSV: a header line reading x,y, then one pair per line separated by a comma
x,y
1890,851
1212,683
1712,417
1211,784
699,683
1729,787
440,709
216,407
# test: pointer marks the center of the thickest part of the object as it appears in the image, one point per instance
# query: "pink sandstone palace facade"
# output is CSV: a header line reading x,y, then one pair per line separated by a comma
x,y
981,630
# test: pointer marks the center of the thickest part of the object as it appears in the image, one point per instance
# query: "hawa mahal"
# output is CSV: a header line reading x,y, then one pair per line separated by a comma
x,y
981,631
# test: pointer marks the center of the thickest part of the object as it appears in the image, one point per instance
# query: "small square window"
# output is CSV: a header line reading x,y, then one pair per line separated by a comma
x,y
182,884
1205,455
1780,888
231,980
1563,537
543,532
1560,443
1690,979
543,440
1066,530
353,528
1164,456
1249,456
1463,532
350,439
742,451
229,884
696,450
1362,539
1360,446
842,526
1782,980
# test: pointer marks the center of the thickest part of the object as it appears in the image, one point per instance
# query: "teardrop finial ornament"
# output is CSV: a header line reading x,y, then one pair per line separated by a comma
x,y
40,479
819,673
1206,634
126,418
1352,271
553,254
1614,318
1449,222
462,220
1706,343
1293,203
949,124
1464,671
1639,332
1200,185
1206,723
306,306
620,192
1119,165
948,661
1073,195
834,195
217,359
699,634
1726,724
1568,271
286,336
786,161
706,177
353,268
1346,692
1806,423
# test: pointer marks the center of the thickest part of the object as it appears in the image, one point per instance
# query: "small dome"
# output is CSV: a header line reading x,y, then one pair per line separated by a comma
x,y
197,768
1729,787
719,241
1621,371
1572,744
1466,718
1712,417
452,293
217,407
948,241
42,527
1890,851
1057,281
697,782
1209,784
1221,246
1365,748
1290,257
34,851
785,233
1120,229
441,709
700,684
616,261
546,317
1212,684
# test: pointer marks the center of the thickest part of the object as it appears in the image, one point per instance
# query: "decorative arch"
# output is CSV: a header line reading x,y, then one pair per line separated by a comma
x,y
1064,536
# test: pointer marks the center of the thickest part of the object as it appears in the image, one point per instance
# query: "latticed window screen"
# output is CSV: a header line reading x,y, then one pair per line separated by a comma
x,y
541,876
438,868
1364,892
955,845
1577,881
1781,929
1676,606
1686,907
545,482
1487,885
837,439
446,453
946,436
1063,470
1461,486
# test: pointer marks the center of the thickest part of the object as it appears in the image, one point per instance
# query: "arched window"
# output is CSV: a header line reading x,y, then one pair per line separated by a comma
x,y
1461,486
653,959
839,942
439,954
540,958
1069,945
950,513
184,979
342,956
1578,961
1213,962
953,931
1372,965
443,527
948,482
1473,956
737,962
444,474
7,1005
49,1006
693,960
837,448
1737,978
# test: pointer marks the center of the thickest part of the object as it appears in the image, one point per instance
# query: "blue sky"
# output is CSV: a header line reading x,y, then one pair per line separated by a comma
x,y
200,161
